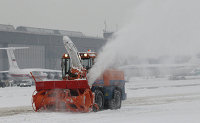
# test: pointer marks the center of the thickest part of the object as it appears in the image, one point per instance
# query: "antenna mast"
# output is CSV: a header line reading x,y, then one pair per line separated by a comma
x,y
105,24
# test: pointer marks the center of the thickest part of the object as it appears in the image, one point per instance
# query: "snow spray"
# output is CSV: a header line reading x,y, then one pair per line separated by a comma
x,y
158,29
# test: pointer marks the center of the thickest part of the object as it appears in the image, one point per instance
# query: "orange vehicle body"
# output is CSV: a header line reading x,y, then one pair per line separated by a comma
x,y
109,76
63,95
73,92
70,94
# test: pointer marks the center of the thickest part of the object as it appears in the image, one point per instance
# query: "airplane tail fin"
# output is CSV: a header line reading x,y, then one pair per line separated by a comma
x,y
11,57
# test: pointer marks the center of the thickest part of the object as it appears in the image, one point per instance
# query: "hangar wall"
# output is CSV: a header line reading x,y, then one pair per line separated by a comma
x,y
45,46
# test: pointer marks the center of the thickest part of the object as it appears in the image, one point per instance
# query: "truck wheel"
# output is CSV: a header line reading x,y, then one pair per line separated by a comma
x,y
115,103
99,99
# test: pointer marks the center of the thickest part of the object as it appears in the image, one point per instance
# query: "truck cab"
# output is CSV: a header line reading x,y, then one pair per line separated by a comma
x,y
87,61
109,88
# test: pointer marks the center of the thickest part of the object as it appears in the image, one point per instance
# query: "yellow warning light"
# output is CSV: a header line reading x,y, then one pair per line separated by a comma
x,y
66,55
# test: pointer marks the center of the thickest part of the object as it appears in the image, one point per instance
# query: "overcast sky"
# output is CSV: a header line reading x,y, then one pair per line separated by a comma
x,y
87,16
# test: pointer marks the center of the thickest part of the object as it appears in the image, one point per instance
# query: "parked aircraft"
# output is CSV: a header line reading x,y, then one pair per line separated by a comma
x,y
18,74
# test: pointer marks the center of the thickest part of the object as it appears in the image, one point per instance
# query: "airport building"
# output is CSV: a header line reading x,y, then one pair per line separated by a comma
x,y
45,46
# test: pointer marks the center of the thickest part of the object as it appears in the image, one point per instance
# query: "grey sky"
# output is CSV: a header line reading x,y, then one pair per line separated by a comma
x,y
86,16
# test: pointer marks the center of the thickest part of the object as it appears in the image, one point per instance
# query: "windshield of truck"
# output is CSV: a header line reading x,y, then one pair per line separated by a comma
x,y
65,66
86,63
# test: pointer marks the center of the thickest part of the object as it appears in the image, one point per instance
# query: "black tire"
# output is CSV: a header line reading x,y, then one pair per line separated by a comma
x,y
99,99
115,103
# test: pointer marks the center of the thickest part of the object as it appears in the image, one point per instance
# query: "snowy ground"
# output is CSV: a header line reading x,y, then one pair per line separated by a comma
x,y
149,101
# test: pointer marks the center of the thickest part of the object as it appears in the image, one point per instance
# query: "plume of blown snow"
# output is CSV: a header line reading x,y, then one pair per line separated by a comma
x,y
158,28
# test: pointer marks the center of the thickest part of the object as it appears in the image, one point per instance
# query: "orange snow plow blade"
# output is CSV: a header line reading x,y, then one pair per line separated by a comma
x,y
63,95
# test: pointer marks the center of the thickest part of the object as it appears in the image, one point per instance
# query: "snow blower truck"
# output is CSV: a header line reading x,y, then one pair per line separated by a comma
x,y
73,92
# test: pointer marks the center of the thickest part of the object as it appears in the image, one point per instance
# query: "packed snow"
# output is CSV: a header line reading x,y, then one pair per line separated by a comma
x,y
149,101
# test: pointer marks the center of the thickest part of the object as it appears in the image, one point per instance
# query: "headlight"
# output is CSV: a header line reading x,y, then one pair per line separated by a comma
x,y
66,55
85,54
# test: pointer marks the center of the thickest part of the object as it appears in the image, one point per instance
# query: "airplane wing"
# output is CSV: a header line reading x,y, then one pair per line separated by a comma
x,y
3,71
13,48
45,70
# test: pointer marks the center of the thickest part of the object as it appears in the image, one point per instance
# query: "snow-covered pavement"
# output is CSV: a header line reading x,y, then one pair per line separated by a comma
x,y
149,101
